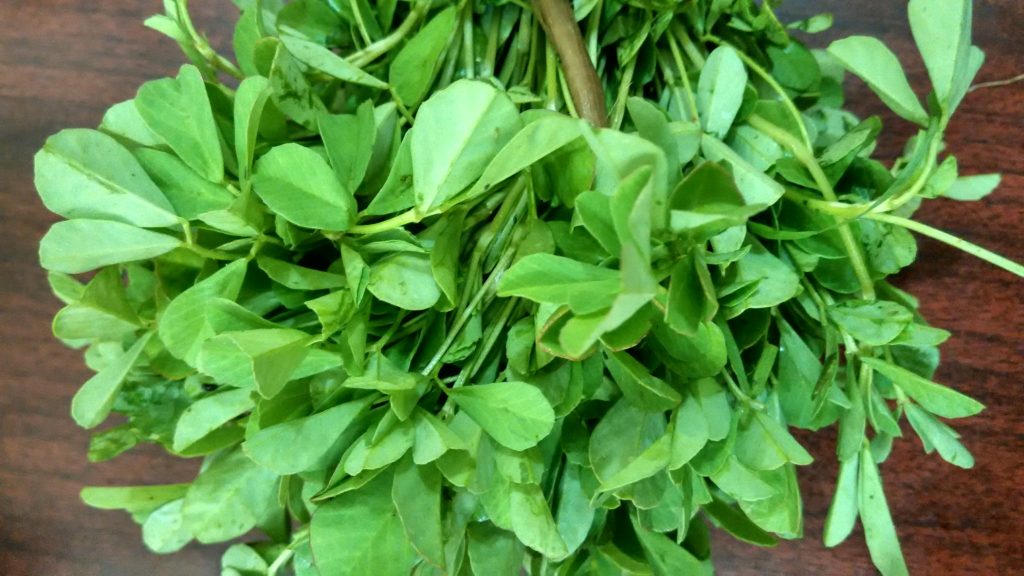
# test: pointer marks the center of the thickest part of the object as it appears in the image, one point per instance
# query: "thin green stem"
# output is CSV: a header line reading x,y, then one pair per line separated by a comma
x,y
409,217
625,83
550,76
806,157
688,46
946,238
491,55
677,57
468,51
385,44
359,21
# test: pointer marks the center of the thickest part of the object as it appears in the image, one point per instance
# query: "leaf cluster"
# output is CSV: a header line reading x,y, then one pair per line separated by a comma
x,y
414,316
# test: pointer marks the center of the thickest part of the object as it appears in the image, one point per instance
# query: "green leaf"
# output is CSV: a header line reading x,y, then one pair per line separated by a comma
x,y
307,443
76,246
665,557
628,445
413,70
433,438
178,109
875,323
757,188
871,61
136,500
720,90
550,279
879,531
320,58
735,522
936,435
842,515
299,277
297,184
416,493
124,122
515,414
189,193
935,398
492,550
538,139
971,188
404,280
183,326
349,139
532,522
263,359
87,174
458,132
291,91
764,444
208,414
164,531
228,498
942,31
360,532
638,385
690,430
250,99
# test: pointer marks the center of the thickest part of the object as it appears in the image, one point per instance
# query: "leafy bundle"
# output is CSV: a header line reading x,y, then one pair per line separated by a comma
x,y
416,316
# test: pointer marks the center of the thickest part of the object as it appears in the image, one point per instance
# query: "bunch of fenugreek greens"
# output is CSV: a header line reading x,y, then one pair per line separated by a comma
x,y
485,287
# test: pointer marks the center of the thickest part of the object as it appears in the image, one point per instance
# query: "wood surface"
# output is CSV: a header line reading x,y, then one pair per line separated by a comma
x,y
63,62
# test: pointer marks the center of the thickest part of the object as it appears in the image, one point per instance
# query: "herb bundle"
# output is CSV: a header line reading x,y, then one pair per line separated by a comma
x,y
485,287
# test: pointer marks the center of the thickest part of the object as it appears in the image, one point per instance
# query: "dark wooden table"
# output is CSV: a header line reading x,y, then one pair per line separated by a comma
x,y
62,62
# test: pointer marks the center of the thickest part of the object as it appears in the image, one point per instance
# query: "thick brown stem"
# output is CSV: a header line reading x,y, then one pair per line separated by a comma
x,y
559,22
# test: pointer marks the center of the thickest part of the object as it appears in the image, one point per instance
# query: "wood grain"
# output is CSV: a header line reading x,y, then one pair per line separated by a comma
x,y
63,62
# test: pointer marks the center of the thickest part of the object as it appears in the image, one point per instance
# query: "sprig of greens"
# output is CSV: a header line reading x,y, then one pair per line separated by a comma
x,y
415,315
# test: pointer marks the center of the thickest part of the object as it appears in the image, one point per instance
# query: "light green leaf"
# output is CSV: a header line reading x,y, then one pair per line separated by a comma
x,y
756,187
349,139
557,280
492,550
136,500
764,444
416,493
433,438
842,515
936,435
360,532
299,277
532,521
971,188
189,193
306,443
320,58
87,174
413,70
665,557
291,91
178,109
250,99
689,429
935,398
296,183
404,280
263,359
76,246
872,61
123,121
228,498
942,31
208,414
458,132
515,414
875,323
627,445
720,90
879,531
638,385
183,326
538,139
164,531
